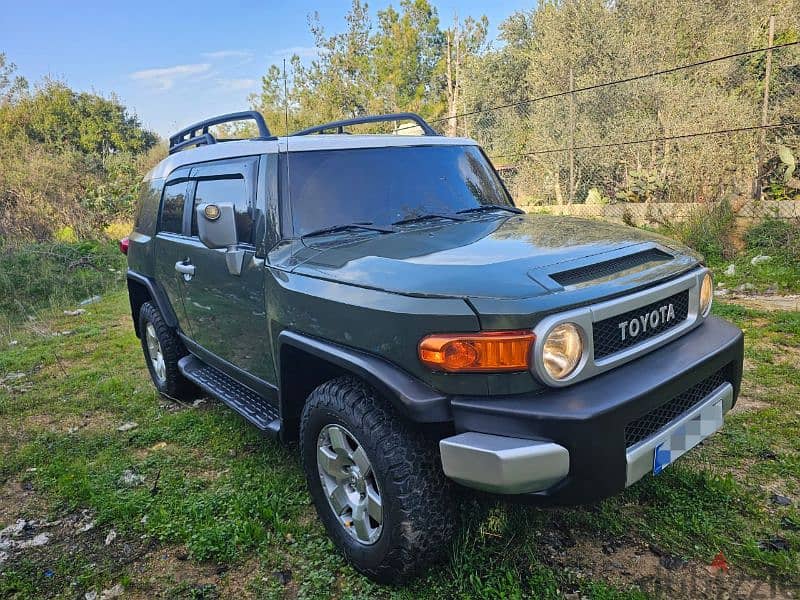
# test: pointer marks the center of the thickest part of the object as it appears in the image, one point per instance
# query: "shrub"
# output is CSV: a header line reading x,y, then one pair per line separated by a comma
x,y
708,230
59,274
774,235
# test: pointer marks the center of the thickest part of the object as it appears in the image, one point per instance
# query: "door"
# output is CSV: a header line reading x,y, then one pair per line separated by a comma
x,y
169,242
226,309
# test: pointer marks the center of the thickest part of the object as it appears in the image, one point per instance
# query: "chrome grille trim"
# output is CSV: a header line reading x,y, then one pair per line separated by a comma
x,y
585,318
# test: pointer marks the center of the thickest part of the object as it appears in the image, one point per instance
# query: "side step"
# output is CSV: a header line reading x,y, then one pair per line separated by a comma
x,y
242,399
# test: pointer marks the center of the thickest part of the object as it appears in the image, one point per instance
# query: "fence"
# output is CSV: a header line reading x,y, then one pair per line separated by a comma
x,y
724,127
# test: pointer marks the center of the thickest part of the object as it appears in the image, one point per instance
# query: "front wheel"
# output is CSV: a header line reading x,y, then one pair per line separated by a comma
x,y
377,484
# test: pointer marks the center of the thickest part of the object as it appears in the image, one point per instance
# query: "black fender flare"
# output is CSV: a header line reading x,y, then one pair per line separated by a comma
x,y
412,398
157,295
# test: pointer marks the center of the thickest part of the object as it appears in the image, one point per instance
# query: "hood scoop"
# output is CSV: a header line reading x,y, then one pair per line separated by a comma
x,y
593,273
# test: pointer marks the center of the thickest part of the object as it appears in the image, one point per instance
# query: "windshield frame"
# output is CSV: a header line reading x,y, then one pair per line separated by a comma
x,y
288,229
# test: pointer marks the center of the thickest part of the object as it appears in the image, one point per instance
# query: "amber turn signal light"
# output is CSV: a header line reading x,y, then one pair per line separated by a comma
x,y
488,351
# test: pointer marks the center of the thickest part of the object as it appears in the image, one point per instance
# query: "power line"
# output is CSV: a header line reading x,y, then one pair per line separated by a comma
x,y
650,140
618,81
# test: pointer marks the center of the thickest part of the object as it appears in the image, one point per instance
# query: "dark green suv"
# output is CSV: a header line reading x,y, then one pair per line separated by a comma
x,y
380,299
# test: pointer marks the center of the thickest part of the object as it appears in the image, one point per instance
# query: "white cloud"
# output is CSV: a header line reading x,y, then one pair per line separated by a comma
x,y
301,51
237,85
223,54
164,78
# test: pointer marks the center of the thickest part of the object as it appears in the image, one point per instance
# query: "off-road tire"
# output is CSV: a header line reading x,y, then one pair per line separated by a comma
x,y
174,384
418,511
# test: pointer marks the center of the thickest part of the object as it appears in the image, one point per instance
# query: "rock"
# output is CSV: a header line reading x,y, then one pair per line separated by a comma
x,y
761,258
731,270
3,557
780,500
112,535
91,300
198,403
86,527
131,479
15,529
90,595
283,576
75,313
720,292
14,376
746,287
128,426
13,342
39,540
672,562
114,592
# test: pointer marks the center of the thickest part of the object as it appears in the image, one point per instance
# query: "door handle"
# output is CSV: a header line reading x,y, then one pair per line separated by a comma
x,y
186,269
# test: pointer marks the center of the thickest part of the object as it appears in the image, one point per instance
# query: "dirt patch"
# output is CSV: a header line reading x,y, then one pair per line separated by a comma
x,y
661,574
748,404
19,500
169,571
89,421
766,302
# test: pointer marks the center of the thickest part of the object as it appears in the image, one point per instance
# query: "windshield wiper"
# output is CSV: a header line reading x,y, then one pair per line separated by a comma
x,y
484,207
348,226
427,217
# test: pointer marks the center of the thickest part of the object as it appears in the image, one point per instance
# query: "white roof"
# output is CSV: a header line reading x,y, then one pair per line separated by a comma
x,y
302,143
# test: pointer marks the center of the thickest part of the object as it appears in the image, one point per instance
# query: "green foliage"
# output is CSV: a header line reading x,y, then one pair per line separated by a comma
x,y
708,230
44,275
68,160
774,235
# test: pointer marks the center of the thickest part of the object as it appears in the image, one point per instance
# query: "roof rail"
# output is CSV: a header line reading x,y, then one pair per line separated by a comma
x,y
340,125
198,135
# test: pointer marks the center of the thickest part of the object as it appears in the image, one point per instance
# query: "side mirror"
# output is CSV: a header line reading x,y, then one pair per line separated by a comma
x,y
216,225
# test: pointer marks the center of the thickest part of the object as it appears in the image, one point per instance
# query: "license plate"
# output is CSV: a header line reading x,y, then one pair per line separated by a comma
x,y
687,436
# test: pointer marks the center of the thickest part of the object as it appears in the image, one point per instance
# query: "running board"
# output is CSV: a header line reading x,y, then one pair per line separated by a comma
x,y
240,398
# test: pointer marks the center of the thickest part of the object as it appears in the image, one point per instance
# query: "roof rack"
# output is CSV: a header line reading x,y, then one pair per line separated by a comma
x,y
198,135
340,125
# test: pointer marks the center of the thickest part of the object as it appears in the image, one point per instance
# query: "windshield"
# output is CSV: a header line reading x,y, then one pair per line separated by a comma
x,y
380,186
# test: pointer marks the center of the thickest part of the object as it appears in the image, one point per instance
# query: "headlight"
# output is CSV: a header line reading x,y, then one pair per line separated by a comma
x,y
562,350
706,294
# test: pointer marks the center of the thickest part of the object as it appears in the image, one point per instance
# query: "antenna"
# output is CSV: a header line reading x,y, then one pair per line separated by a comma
x,y
286,124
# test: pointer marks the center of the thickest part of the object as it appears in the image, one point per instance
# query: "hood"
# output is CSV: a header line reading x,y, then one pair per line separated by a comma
x,y
507,257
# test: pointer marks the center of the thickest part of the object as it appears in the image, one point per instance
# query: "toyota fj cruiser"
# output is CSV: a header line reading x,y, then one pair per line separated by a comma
x,y
380,299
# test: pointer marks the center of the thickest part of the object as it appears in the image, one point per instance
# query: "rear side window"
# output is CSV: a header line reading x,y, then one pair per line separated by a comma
x,y
172,207
229,189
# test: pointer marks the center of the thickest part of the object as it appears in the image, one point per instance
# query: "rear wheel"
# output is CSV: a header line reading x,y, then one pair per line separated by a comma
x,y
376,482
162,350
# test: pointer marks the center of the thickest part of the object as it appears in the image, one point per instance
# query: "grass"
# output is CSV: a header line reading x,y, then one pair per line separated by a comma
x,y
222,512
39,276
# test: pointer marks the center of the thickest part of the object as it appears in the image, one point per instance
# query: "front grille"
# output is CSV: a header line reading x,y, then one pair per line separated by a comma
x,y
608,333
609,267
643,427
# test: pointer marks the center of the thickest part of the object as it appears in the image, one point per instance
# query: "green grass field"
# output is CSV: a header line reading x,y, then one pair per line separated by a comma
x,y
201,506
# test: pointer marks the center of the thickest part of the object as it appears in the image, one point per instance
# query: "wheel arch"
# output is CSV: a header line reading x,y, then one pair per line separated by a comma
x,y
142,289
306,362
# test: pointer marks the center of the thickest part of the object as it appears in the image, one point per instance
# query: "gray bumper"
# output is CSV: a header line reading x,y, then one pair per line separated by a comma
x,y
503,465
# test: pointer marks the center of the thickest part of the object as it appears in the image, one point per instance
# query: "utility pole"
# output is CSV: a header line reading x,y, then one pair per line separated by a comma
x,y
571,136
764,112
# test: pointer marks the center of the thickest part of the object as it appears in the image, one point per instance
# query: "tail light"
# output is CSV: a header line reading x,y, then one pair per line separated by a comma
x,y
487,351
123,245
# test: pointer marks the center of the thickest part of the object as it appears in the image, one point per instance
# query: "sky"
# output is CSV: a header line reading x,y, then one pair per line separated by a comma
x,y
175,62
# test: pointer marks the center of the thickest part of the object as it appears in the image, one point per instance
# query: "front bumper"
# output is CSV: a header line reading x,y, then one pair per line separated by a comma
x,y
590,440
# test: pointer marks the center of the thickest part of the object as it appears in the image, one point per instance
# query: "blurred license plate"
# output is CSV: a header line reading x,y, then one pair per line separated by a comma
x,y
687,436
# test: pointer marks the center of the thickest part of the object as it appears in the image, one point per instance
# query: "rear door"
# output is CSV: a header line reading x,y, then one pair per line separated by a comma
x,y
225,310
173,229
